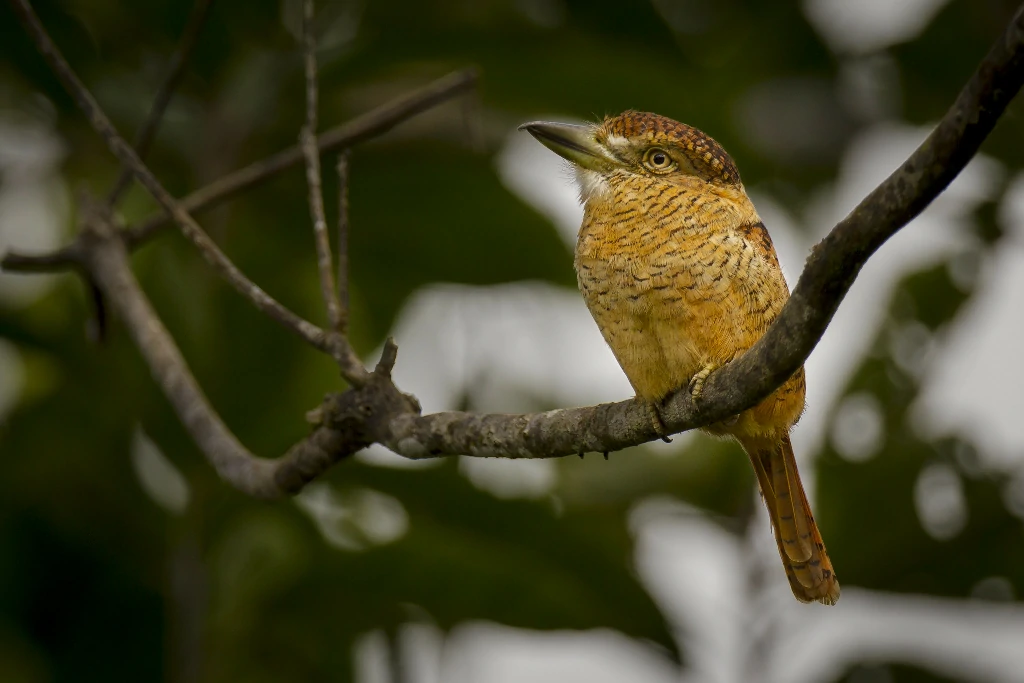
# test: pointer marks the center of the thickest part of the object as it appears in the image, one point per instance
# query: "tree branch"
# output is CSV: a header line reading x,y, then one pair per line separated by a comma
x,y
176,69
107,261
351,367
365,127
372,124
354,424
309,332
314,178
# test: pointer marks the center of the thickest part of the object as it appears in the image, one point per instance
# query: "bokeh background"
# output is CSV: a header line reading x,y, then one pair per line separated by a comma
x,y
123,558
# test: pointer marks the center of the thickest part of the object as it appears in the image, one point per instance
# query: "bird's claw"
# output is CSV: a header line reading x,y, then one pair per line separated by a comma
x,y
659,426
696,385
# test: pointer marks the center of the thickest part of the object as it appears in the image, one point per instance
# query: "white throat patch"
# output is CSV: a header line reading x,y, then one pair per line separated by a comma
x,y
592,184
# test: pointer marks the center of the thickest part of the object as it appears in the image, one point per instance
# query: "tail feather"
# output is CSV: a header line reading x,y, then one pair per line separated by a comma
x,y
791,525
800,545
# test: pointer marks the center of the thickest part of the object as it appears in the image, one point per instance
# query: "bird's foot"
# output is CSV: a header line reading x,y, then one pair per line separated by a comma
x,y
696,385
659,425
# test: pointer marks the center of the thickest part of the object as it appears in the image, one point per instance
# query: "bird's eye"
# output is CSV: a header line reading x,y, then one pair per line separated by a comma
x,y
658,160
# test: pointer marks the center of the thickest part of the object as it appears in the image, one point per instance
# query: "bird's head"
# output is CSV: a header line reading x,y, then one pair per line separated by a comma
x,y
639,146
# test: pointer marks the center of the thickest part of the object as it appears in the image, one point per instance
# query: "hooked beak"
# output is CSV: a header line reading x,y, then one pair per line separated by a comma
x,y
573,142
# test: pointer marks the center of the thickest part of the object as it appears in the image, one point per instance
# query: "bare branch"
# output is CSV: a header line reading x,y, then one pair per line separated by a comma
x,y
343,160
108,263
309,332
175,71
373,123
354,424
351,367
313,176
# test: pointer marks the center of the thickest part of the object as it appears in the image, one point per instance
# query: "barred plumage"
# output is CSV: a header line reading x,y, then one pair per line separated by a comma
x,y
681,277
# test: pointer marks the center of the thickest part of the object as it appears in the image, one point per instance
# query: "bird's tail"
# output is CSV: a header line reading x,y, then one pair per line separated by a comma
x,y
802,551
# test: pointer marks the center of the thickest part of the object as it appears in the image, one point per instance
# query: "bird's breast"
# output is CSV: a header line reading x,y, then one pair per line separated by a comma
x,y
624,276
640,261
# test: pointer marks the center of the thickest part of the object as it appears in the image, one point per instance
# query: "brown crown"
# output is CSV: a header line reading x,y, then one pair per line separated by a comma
x,y
706,154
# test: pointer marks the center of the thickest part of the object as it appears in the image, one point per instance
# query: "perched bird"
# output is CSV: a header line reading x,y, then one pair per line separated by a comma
x,y
681,276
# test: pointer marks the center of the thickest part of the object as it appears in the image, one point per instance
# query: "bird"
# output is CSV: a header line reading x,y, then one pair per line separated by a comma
x,y
681,276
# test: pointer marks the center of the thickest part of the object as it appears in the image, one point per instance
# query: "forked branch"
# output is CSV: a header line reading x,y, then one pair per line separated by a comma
x,y
351,368
309,332
353,425
307,140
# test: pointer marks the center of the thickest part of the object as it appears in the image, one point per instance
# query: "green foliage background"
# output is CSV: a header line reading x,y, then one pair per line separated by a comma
x,y
97,583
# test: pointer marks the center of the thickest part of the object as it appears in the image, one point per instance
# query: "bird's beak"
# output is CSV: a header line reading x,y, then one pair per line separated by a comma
x,y
573,142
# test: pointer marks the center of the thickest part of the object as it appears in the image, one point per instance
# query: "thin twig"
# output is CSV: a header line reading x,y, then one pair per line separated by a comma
x,y
309,332
343,161
360,129
175,71
372,124
314,178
